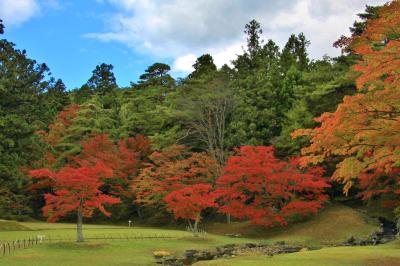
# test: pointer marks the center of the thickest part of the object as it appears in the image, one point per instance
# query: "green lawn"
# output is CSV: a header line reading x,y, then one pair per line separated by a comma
x,y
383,255
331,226
102,252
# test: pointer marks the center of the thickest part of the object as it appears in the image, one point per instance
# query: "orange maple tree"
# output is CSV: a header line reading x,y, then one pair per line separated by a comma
x,y
177,180
363,134
63,120
256,185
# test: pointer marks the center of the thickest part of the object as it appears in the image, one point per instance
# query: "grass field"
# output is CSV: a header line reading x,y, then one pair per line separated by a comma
x,y
102,252
332,226
383,255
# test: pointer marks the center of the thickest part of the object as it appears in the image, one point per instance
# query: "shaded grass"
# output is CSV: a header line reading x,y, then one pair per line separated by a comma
x,y
12,226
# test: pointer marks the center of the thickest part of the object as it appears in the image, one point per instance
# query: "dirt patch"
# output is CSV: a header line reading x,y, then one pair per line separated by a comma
x,y
80,246
197,239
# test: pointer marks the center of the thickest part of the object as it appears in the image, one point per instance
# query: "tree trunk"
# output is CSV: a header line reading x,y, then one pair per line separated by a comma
x,y
398,228
139,213
79,232
195,228
190,225
228,218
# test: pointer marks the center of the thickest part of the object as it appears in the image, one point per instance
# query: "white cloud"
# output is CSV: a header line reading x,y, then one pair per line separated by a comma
x,y
226,55
184,63
322,22
16,12
181,30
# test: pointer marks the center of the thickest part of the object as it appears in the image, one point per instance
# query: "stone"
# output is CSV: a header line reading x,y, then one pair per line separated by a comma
x,y
205,255
233,235
227,251
250,245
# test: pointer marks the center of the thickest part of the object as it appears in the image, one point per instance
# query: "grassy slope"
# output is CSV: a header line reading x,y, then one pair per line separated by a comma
x,y
333,225
11,226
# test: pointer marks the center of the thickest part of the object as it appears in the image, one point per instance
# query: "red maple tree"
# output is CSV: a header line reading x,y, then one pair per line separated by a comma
x,y
124,158
257,186
190,201
76,190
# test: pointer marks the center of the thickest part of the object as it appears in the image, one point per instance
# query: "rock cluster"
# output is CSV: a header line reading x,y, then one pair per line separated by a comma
x,y
227,251
387,233
375,238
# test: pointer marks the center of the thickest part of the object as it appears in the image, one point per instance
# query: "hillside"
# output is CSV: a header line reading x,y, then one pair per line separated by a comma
x,y
12,226
332,225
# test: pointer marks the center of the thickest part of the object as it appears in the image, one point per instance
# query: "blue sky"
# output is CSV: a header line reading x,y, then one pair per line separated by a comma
x,y
73,36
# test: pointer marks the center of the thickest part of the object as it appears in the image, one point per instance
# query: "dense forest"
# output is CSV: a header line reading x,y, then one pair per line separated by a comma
x,y
269,138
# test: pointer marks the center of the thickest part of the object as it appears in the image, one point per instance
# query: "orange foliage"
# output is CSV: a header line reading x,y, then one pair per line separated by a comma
x,y
63,121
178,171
364,132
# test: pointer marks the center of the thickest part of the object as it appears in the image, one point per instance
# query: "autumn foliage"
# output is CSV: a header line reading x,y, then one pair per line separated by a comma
x,y
125,158
76,190
177,180
62,122
363,134
258,186
188,202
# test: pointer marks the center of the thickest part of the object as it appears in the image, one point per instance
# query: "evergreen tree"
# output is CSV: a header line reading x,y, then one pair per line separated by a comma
x,y
253,31
371,12
81,95
22,112
149,112
295,53
56,98
256,80
156,75
204,65
1,27
102,80
314,92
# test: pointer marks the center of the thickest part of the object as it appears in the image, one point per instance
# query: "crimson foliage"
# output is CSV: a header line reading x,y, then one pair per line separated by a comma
x,y
257,186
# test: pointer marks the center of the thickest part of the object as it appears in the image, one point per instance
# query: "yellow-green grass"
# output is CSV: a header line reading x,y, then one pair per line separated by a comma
x,y
331,226
382,255
103,252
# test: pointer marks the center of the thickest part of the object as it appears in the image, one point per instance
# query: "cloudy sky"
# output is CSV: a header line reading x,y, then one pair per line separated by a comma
x,y
73,36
